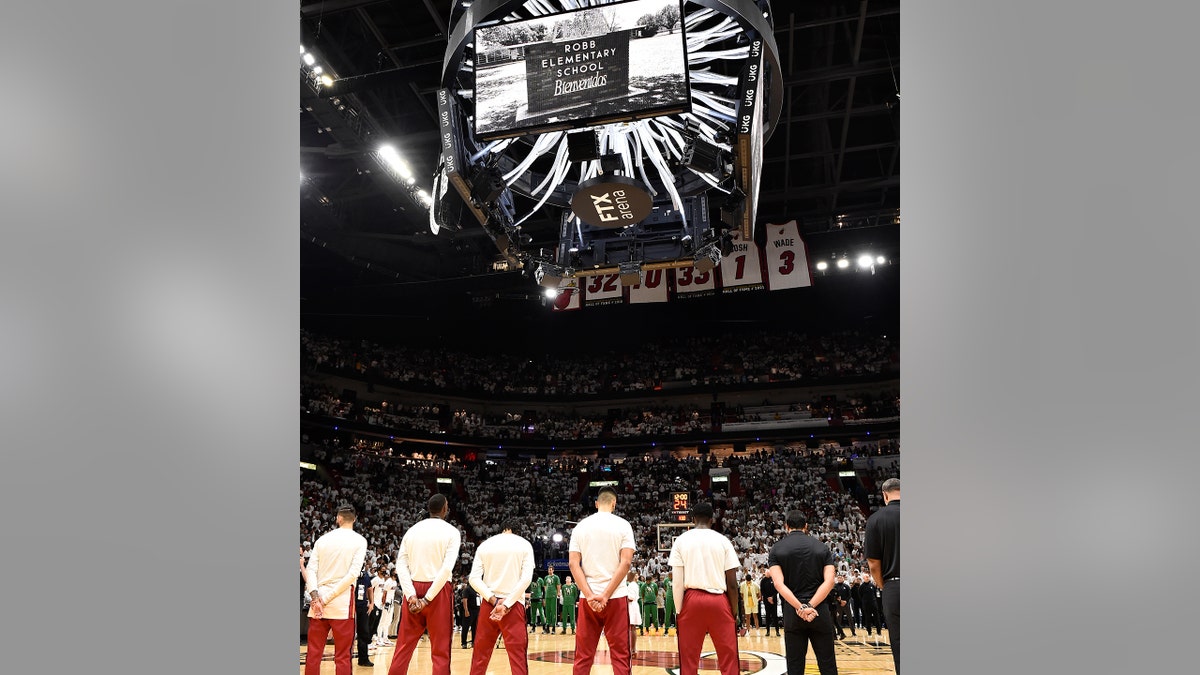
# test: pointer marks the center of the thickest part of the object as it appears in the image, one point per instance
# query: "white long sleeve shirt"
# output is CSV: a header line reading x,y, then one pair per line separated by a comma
x,y
503,567
699,559
599,539
335,562
427,552
377,590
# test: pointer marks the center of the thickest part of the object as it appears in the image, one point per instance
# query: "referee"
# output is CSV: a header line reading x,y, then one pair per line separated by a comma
x,y
803,570
882,547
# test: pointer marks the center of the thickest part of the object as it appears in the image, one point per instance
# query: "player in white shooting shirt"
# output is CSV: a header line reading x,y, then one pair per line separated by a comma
x,y
601,550
335,562
426,558
500,573
704,582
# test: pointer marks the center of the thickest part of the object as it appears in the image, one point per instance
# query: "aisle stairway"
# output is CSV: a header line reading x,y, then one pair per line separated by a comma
x,y
867,481
735,484
868,484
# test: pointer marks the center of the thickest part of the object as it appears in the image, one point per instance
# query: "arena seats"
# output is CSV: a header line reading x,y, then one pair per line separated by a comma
x,y
548,495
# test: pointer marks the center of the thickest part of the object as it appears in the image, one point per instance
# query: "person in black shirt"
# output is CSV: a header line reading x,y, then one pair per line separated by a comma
x,y
803,570
362,615
841,606
469,600
303,596
870,606
882,547
770,604
855,601
460,611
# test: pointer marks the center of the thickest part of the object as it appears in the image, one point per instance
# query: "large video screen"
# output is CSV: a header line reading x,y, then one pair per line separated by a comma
x,y
621,61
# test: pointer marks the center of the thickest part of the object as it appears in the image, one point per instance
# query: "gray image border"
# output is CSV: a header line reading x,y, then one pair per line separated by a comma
x,y
149,308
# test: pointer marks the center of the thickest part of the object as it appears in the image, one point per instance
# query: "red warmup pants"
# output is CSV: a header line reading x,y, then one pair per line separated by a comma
x,y
614,622
516,640
706,613
437,618
343,637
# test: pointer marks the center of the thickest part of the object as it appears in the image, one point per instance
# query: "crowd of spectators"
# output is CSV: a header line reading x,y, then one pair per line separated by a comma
x,y
390,494
773,483
323,401
630,422
548,496
543,495
783,356
860,406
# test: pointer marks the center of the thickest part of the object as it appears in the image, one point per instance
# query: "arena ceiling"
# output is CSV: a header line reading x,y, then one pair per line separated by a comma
x,y
832,163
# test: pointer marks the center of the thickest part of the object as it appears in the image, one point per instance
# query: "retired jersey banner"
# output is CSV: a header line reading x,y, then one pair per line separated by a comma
x,y
568,296
787,257
602,289
779,264
652,289
692,284
741,270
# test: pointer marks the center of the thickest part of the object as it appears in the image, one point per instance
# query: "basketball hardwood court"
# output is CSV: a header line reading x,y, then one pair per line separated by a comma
x,y
656,654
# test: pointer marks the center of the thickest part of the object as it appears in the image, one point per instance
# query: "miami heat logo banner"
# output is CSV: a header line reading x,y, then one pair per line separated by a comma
x,y
568,296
